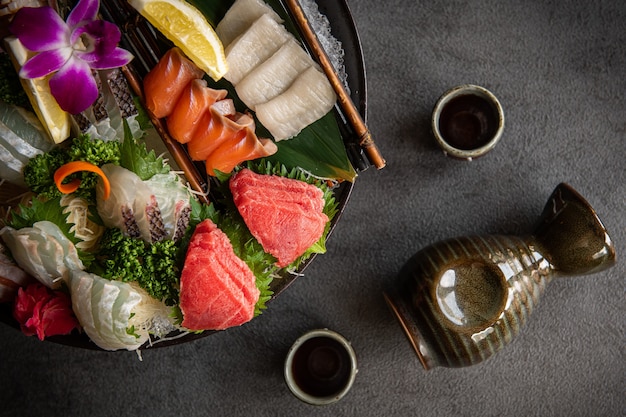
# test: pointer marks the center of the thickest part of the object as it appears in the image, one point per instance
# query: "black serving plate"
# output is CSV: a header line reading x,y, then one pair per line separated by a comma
x,y
344,30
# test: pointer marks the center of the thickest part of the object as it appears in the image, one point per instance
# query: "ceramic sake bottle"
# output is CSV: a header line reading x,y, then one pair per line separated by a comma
x,y
461,300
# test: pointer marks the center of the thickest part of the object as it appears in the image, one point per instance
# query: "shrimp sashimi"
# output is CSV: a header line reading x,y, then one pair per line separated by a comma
x,y
164,84
196,97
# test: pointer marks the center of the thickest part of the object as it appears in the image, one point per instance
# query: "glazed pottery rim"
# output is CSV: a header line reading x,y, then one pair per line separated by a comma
x,y
467,154
288,373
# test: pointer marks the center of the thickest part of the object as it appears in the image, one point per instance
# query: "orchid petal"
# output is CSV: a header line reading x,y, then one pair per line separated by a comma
x,y
85,11
45,62
118,58
99,36
63,86
40,28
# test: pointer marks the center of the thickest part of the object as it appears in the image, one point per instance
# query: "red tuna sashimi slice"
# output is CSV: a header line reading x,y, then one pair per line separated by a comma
x,y
217,289
279,214
164,84
195,99
249,184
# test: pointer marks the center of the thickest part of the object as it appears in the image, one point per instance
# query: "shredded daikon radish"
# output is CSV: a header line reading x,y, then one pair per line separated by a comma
x,y
83,228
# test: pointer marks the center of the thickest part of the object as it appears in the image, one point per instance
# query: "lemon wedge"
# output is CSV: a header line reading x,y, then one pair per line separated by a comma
x,y
188,29
55,120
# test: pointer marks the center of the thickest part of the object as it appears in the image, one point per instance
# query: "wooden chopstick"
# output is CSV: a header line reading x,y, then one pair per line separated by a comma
x,y
345,102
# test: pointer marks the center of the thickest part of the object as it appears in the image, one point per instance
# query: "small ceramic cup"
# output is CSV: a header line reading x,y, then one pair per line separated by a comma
x,y
320,367
467,122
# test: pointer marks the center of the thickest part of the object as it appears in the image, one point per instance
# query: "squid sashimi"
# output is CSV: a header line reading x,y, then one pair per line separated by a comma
x,y
164,84
260,41
217,128
228,155
117,315
193,102
308,99
240,16
173,198
132,206
43,251
275,75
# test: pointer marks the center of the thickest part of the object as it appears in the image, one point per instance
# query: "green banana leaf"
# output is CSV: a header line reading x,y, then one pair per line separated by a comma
x,y
319,148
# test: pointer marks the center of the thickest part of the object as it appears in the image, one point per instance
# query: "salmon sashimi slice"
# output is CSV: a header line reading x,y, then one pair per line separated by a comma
x,y
164,84
230,154
195,99
215,128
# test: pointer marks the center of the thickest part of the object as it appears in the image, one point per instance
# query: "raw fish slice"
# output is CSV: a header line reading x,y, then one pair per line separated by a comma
x,y
164,84
12,277
250,185
308,99
275,75
283,227
21,150
11,169
131,206
212,296
43,251
240,16
194,100
215,129
173,199
254,46
25,125
107,310
230,154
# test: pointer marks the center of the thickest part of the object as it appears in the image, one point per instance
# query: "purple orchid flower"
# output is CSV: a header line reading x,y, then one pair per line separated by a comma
x,y
73,49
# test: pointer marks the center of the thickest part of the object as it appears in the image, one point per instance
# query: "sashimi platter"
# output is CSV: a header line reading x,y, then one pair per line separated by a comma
x,y
168,167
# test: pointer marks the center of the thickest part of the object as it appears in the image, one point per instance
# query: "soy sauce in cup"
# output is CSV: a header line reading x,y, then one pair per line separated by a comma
x,y
467,121
320,367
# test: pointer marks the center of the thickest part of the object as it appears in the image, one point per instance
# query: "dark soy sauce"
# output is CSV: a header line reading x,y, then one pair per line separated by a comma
x,y
468,122
321,367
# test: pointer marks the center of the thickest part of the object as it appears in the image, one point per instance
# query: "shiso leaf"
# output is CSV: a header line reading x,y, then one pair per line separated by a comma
x,y
135,156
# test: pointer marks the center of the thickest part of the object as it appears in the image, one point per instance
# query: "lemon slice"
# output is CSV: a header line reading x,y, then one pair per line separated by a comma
x,y
55,120
188,29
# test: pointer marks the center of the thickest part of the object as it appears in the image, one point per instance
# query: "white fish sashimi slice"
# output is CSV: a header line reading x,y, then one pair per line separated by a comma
x,y
259,42
11,169
127,206
308,99
21,150
275,75
25,125
240,16
80,289
173,199
103,296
